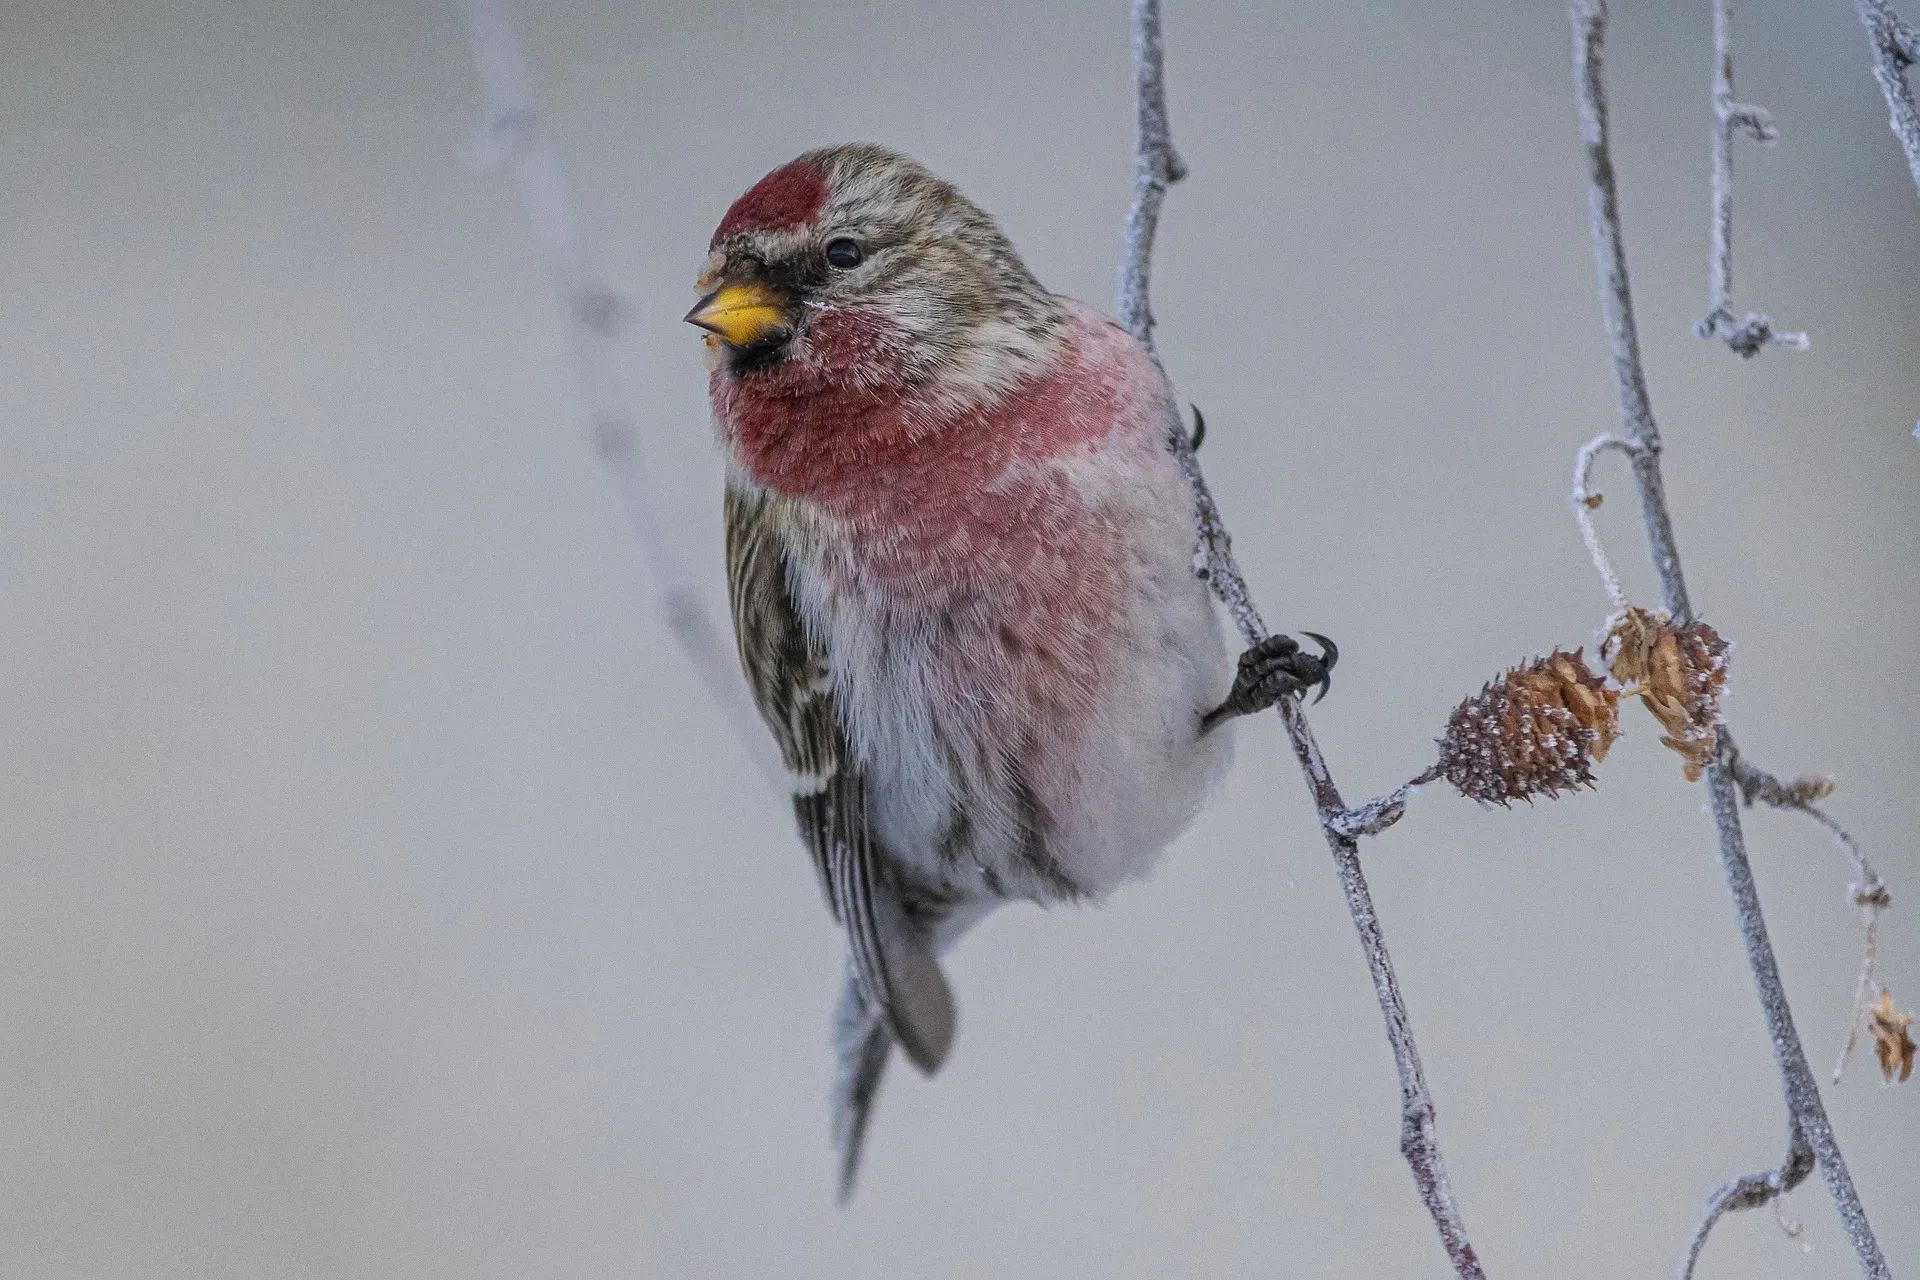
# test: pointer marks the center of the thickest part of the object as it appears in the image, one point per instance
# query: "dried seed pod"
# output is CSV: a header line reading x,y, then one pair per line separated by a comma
x,y
1628,647
1678,673
1533,731
1892,1039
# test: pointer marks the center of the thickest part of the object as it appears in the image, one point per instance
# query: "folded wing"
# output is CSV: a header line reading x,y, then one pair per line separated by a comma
x,y
892,954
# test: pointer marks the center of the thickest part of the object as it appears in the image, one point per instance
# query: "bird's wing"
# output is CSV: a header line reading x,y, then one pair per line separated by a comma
x,y
892,954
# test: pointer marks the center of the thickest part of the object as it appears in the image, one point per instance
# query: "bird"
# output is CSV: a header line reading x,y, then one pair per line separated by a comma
x,y
961,566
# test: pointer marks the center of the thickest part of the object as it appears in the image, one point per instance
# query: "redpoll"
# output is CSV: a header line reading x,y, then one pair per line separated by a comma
x,y
960,560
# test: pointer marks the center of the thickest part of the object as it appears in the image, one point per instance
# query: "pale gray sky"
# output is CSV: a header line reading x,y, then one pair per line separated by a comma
x,y
381,897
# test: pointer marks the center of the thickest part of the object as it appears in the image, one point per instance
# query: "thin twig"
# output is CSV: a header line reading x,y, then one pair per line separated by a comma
x,y
1757,785
1157,166
1870,906
1868,891
1750,1191
1896,47
1379,813
1588,19
1586,499
512,134
1752,332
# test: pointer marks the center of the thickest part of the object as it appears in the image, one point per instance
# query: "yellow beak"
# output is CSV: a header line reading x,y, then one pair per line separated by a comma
x,y
742,314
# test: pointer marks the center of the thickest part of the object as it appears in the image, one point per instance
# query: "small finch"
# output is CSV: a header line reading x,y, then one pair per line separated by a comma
x,y
960,558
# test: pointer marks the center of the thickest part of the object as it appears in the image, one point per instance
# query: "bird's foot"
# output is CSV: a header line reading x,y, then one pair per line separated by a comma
x,y
1275,668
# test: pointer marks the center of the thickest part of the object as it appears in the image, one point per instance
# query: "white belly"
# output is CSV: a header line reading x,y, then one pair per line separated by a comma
x,y
975,800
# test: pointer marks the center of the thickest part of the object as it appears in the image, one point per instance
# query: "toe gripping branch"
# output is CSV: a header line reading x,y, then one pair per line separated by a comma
x,y
1275,668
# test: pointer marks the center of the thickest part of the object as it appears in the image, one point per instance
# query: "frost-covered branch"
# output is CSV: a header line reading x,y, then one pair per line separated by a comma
x,y
1586,499
1756,784
1750,1191
1867,892
1896,47
512,134
1588,19
1751,332
1156,167
1379,813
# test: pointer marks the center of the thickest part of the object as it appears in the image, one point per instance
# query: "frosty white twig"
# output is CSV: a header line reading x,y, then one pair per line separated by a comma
x,y
1585,499
1588,19
1157,166
1756,784
1379,813
1868,891
1750,1191
1896,47
1870,900
1748,334
511,134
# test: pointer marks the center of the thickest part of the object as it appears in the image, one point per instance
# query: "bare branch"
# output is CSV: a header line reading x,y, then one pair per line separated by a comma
x,y
1896,47
1757,785
1157,166
512,134
1868,891
1870,905
1588,19
1750,1191
1379,813
1586,499
1752,332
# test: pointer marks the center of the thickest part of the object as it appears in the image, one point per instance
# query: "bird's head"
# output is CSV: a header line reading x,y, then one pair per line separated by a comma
x,y
854,270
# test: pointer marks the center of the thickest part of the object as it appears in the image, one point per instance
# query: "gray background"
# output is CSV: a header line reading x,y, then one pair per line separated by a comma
x,y
379,896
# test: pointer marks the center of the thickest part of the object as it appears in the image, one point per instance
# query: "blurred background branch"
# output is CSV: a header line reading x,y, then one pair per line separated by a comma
x,y
513,135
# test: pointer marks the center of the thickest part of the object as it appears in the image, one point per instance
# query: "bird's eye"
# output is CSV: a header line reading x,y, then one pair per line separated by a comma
x,y
843,253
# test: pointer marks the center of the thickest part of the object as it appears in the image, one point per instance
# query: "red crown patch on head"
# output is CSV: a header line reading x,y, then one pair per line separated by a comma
x,y
788,197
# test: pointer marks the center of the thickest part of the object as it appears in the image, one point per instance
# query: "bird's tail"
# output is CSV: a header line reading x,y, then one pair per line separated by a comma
x,y
862,1044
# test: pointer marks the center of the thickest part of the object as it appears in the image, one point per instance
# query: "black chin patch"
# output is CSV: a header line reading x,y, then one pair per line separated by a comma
x,y
757,357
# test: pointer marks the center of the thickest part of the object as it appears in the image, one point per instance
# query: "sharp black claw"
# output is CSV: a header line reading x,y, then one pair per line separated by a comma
x,y
1273,669
1329,654
1199,428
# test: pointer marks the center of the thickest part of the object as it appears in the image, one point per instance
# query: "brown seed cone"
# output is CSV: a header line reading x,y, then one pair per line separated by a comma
x,y
1679,674
1532,731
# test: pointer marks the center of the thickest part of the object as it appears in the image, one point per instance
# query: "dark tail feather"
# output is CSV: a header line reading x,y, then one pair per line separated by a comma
x,y
861,1044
